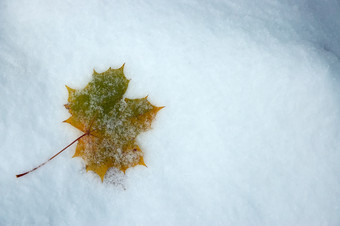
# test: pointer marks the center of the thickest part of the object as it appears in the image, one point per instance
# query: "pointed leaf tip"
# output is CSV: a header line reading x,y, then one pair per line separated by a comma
x,y
159,108
70,93
122,67
70,90
141,162
102,177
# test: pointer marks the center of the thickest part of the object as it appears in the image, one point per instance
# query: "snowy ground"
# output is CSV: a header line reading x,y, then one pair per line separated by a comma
x,y
251,130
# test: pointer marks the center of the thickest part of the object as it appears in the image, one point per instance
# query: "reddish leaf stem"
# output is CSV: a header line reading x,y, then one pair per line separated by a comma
x,y
23,174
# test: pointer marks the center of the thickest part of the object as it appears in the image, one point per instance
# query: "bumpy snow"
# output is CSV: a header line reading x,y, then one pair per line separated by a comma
x,y
251,130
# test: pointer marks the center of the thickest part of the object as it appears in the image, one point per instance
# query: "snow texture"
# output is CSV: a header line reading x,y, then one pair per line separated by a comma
x,y
251,130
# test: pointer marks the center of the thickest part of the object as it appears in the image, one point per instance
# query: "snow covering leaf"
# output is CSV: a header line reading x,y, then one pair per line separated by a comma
x,y
111,123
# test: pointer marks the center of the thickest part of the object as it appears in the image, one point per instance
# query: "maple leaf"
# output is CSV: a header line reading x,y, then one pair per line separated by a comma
x,y
109,122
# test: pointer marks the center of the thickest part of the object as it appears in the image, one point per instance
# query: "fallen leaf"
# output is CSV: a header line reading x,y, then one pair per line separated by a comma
x,y
109,122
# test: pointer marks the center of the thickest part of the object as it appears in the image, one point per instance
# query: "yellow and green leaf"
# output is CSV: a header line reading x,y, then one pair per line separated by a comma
x,y
110,122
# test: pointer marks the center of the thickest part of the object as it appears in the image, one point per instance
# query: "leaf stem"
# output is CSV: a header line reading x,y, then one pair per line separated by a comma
x,y
23,174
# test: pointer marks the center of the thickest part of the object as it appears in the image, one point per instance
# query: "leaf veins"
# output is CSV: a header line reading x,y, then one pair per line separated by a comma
x,y
109,122
113,123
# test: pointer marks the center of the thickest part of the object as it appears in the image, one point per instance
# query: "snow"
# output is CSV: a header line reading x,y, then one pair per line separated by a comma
x,y
249,135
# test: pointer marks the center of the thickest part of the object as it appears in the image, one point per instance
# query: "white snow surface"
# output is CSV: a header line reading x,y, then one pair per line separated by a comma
x,y
251,130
